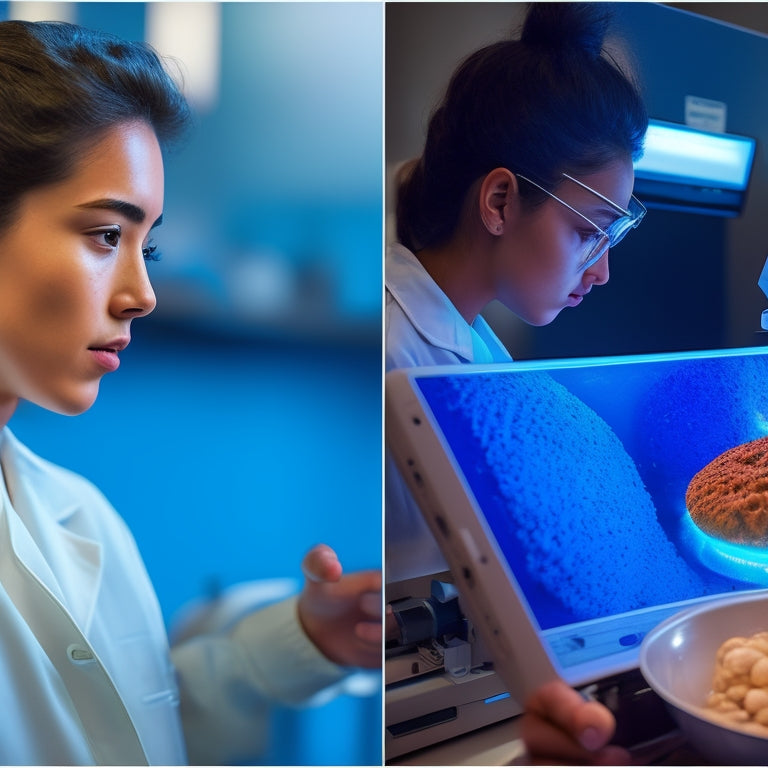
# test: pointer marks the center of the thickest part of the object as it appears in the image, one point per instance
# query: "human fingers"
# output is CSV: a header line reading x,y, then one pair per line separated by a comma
x,y
560,726
546,744
593,725
369,632
588,723
371,604
321,564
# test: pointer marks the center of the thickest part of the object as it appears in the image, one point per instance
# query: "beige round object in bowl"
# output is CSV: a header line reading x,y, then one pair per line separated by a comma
x,y
677,659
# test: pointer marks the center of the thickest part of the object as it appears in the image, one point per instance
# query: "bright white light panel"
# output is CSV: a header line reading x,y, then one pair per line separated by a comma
x,y
680,154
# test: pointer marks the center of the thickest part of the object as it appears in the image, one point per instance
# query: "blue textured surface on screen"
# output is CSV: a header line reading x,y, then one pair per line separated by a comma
x,y
581,473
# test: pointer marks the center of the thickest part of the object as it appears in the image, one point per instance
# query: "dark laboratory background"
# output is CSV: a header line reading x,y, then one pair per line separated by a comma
x,y
244,425
682,280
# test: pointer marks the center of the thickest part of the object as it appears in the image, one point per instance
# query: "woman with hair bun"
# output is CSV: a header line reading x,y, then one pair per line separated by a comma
x,y
86,673
524,184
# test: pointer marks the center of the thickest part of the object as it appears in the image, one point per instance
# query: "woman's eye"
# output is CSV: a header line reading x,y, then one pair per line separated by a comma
x,y
106,238
588,235
150,252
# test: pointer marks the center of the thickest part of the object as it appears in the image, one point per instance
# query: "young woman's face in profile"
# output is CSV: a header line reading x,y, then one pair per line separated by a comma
x,y
538,274
73,272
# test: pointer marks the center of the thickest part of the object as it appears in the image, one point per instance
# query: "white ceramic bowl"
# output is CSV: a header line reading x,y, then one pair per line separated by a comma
x,y
677,659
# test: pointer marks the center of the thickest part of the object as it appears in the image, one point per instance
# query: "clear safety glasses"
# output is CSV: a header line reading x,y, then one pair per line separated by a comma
x,y
595,247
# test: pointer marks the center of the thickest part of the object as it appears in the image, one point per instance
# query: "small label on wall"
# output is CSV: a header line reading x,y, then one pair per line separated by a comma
x,y
705,114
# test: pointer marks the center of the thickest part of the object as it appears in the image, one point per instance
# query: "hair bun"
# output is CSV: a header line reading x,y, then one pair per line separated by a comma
x,y
567,26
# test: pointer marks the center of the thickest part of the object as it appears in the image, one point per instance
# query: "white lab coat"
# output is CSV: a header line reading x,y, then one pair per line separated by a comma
x,y
86,674
422,328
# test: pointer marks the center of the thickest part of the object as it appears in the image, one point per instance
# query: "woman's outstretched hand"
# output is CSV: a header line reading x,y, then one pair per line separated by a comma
x,y
341,614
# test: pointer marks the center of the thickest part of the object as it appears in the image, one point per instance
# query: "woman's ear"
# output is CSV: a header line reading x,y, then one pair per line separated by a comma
x,y
497,190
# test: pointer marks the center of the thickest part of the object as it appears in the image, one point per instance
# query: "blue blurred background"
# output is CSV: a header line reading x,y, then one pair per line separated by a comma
x,y
244,425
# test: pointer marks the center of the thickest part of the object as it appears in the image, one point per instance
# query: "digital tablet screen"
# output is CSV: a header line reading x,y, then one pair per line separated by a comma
x,y
580,470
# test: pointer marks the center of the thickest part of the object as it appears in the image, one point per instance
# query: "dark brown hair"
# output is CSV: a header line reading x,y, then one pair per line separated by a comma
x,y
61,87
547,103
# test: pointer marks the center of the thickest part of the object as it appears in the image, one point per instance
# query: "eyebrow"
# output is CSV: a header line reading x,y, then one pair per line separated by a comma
x,y
131,212
604,215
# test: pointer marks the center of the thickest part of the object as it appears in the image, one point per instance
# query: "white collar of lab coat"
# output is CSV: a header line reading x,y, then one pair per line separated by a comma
x,y
434,315
44,507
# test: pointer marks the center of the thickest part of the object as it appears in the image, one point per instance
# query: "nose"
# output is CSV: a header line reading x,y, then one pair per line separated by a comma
x,y
598,273
132,295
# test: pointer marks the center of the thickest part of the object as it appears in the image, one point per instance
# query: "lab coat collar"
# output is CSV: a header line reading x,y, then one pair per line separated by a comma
x,y
429,310
44,504
26,472
434,315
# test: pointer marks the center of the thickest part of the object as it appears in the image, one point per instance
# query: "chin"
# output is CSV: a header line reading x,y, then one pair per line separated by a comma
x,y
539,321
70,403
74,409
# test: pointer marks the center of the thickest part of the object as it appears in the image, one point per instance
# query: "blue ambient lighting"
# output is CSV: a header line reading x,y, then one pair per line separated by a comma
x,y
497,697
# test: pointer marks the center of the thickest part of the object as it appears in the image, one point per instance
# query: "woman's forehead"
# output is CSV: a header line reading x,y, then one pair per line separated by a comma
x,y
125,165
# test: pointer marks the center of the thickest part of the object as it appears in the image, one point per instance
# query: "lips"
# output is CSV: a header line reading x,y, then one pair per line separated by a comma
x,y
575,298
106,355
115,345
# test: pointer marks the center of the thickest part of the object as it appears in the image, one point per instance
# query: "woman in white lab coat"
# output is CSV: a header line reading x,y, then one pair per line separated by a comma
x,y
524,183
86,674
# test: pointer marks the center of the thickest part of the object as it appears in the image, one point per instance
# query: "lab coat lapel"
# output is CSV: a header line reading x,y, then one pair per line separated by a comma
x,y
79,572
103,717
33,530
68,562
